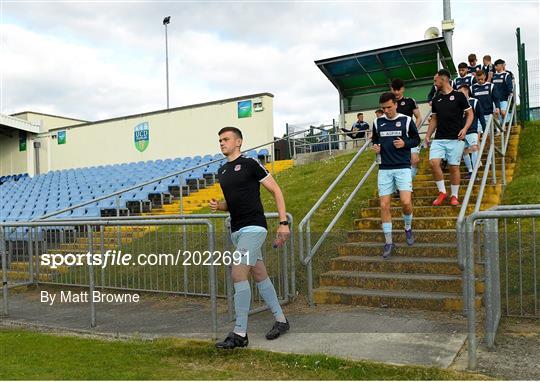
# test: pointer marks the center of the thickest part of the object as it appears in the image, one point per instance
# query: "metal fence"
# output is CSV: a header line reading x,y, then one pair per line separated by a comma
x,y
169,254
504,234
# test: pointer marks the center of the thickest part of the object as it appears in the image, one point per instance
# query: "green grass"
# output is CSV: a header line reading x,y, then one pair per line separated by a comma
x,y
524,186
303,185
28,355
517,269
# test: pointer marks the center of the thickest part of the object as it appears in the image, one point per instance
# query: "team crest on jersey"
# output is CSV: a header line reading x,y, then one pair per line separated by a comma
x,y
452,98
238,167
402,103
398,124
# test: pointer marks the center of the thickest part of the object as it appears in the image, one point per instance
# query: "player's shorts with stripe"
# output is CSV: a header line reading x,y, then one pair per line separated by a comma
x,y
249,241
415,150
391,180
471,140
449,149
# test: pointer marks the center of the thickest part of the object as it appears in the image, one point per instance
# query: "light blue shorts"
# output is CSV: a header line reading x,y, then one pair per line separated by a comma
x,y
391,180
486,118
249,241
504,107
449,149
471,140
415,150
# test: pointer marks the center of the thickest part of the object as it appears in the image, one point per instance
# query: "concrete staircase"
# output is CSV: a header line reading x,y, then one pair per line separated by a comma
x,y
423,276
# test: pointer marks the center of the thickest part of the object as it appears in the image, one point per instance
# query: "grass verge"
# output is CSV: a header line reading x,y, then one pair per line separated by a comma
x,y
29,355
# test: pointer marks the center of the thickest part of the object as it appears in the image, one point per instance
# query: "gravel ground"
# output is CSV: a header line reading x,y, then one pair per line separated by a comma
x,y
517,352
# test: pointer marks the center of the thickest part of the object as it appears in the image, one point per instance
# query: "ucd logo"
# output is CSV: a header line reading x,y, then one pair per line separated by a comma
x,y
142,136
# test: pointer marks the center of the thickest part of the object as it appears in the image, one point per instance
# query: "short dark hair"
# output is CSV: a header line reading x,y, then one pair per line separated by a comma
x,y
480,72
498,62
443,73
471,57
387,96
462,65
359,114
232,129
397,84
379,111
487,57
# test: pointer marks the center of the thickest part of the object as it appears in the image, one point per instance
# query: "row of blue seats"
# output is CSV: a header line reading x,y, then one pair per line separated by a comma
x,y
29,198
16,177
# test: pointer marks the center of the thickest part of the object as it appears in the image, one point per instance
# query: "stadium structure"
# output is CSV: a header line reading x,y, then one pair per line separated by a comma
x,y
70,186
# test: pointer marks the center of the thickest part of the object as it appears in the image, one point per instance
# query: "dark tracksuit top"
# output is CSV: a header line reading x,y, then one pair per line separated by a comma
x,y
478,116
502,85
484,94
385,131
467,79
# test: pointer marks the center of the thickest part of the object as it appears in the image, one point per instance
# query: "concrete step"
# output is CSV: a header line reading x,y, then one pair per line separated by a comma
x,y
109,238
428,175
433,191
430,182
418,211
396,281
397,264
80,247
421,236
448,222
21,266
436,301
17,276
424,250
426,201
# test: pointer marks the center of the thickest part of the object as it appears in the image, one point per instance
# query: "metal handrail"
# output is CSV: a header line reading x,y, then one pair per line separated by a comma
x,y
307,258
491,160
90,223
518,211
116,193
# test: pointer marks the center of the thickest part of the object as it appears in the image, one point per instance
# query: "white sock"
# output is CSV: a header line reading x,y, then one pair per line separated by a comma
x,y
455,189
440,186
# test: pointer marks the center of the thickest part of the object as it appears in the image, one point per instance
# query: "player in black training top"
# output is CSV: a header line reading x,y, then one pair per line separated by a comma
x,y
407,106
447,108
240,179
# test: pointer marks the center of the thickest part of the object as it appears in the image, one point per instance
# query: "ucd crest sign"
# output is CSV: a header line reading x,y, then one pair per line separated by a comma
x,y
142,136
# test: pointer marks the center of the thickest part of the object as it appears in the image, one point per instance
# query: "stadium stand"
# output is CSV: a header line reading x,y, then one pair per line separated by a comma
x,y
24,198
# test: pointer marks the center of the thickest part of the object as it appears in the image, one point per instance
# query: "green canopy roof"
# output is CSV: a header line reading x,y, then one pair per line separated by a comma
x,y
361,77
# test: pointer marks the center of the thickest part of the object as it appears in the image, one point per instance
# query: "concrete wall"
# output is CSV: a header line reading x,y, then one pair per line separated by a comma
x,y
47,122
12,161
176,133
179,132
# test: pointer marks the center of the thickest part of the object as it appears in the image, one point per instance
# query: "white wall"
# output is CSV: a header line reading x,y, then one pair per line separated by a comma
x,y
177,133
180,132
12,161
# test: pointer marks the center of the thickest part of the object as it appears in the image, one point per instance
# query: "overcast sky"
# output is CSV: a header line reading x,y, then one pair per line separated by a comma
x,y
99,59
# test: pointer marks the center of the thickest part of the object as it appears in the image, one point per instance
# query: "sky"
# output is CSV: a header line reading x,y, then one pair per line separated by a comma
x,y
101,59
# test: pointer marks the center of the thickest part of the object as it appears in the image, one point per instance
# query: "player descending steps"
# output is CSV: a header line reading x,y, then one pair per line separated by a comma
x,y
240,179
448,108
394,135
